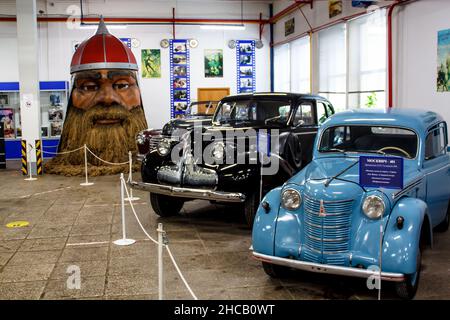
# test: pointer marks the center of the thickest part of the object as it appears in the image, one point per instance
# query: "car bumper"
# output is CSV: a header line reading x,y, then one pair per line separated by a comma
x,y
330,269
140,157
192,193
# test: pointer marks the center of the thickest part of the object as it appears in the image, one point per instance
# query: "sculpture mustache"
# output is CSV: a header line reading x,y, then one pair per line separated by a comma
x,y
99,113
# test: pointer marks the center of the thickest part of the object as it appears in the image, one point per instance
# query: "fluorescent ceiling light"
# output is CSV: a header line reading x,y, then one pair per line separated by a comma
x,y
109,26
221,27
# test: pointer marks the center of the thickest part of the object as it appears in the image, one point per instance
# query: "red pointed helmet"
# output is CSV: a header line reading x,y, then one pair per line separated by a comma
x,y
102,51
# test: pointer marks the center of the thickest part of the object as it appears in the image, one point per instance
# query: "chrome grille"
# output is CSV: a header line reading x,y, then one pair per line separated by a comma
x,y
325,236
154,141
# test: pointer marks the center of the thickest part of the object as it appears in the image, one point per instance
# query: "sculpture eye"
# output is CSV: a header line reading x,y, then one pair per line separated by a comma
x,y
89,87
121,86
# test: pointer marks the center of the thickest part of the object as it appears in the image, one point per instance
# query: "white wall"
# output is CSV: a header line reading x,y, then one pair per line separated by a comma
x,y
56,42
416,59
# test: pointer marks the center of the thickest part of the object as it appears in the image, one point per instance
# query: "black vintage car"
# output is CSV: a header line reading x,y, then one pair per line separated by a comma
x,y
199,112
224,162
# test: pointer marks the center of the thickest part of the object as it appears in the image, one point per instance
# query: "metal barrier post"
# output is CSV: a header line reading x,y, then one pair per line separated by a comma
x,y
160,261
86,183
124,241
29,166
130,178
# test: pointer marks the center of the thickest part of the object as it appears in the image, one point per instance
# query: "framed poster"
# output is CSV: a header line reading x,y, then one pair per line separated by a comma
x,y
151,63
334,8
56,128
213,63
443,63
289,27
7,117
179,78
4,100
245,61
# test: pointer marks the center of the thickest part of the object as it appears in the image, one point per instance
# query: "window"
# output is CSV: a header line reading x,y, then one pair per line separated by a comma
x,y
282,68
301,65
292,66
367,61
436,142
321,112
361,83
332,65
366,139
304,115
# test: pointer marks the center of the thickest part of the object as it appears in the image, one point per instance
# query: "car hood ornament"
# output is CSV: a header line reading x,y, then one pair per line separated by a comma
x,y
322,212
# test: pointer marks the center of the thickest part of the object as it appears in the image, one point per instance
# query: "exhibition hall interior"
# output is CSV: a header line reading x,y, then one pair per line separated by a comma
x,y
224,150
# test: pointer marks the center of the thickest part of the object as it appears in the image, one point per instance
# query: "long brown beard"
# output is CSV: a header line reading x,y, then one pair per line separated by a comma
x,y
110,142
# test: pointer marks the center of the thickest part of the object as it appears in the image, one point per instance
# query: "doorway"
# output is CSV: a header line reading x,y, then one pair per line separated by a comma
x,y
210,94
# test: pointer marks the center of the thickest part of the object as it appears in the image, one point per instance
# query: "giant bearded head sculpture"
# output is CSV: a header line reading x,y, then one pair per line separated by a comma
x,y
105,109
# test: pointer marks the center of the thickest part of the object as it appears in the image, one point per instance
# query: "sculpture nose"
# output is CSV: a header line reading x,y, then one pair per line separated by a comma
x,y
107,96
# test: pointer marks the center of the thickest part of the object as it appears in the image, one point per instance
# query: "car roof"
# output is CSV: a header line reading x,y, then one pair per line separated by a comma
x,y
269,95
419,120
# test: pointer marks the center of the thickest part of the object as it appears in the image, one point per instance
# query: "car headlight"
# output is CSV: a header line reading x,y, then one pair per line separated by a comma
x,y
140,138
163,147
373,207
218,151
291,199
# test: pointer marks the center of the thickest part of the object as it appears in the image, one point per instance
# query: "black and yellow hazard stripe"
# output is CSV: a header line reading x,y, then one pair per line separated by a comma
x,y
38,147
24,158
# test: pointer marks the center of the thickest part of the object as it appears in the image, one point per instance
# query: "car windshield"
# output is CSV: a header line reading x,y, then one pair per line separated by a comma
x,y
370,139
263,111
201,108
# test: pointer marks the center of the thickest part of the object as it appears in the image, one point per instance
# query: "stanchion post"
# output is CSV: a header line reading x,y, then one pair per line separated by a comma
x,y
124,241
30,178
86,183
160,261
130,178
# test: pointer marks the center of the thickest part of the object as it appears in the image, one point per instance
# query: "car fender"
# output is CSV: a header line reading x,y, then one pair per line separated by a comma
x,y
264,226
401,246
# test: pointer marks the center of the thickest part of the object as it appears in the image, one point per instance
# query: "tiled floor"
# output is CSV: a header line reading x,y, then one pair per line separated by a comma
x,y
75,225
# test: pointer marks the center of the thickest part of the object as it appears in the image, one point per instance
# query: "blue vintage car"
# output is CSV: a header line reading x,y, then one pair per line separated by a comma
x,y
324,220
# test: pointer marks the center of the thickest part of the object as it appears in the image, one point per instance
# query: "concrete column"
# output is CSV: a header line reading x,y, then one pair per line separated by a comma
x,y
28,48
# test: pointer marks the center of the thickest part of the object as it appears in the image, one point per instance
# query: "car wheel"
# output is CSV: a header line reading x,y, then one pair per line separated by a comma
x,y
407,289
165,206
443,226
275,271
250,206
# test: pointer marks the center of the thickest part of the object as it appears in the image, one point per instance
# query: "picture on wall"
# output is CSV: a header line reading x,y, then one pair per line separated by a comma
x,y
289,27
55,114
179,78
180,95
213,63
180,106
443,63
334,8
7,117
151,63
179,59
44,131
246,71
56,128
179,71
179,47
4,100
179,83
245,60
55,99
